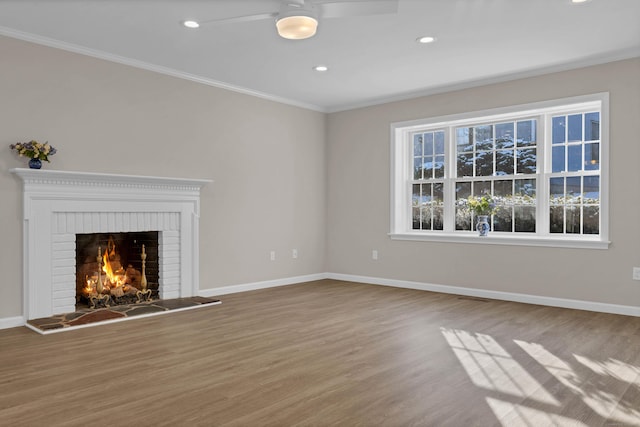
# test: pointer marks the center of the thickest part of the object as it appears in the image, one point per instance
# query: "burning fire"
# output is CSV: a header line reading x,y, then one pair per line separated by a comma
x,y
116,275
90,287
113,280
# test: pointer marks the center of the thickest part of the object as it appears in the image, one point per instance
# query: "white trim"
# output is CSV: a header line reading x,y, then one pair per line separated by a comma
x,y
625,310
12,322
446,289
510,112
99,202
471,83
496,238
620,55
261,285
70,47
401,152
106,180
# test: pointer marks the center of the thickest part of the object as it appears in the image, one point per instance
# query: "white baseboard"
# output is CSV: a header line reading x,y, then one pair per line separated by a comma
x,y
627,310
261,285
12,322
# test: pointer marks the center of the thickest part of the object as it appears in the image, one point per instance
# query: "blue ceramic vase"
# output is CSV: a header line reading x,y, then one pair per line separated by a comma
x,y
483,225
35,163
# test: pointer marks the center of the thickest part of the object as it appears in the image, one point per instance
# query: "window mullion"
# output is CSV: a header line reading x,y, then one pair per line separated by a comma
x,y
449,179
543,174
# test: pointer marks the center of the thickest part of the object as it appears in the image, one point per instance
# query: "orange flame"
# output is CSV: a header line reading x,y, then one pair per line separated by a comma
x,y
113,277
106,263
89,287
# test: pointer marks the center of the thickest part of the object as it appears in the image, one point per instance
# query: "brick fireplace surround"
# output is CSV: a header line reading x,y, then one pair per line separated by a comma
x,y
59,204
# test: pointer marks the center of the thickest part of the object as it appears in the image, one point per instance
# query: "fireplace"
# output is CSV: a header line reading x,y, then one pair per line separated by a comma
x,y
60,206
116,268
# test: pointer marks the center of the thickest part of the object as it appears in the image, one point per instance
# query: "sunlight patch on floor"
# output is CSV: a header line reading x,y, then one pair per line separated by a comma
x,y
614,368
616,374
520,415
491,367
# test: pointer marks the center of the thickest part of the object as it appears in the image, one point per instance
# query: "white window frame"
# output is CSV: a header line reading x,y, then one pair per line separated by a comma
x,y
401,164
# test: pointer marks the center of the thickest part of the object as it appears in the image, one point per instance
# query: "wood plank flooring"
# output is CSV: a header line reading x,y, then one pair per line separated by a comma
x,y
330,353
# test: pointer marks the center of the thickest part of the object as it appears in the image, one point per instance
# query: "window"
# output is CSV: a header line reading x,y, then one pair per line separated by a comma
x,y
542,163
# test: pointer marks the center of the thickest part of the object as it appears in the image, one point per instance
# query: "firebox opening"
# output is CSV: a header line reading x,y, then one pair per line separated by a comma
x,y
116,268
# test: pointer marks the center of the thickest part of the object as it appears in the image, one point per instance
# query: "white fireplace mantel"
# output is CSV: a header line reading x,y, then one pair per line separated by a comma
x,y
59,204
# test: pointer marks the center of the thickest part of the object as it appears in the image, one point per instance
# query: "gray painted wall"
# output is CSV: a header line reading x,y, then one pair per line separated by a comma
x,y
287,177
358,198
267,159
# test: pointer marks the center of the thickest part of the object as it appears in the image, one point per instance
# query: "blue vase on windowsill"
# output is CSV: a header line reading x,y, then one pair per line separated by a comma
x,y
35,163
483,225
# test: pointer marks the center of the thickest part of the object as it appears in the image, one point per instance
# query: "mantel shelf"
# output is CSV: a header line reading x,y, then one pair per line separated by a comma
x,y
40,176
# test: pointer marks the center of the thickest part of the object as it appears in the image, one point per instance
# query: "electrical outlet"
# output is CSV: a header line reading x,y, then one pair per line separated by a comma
x,y
294,254
636,273
273,255
374,254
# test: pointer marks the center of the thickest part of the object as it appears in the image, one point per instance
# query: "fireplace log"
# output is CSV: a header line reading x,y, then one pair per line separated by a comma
x,y
117,291
133,276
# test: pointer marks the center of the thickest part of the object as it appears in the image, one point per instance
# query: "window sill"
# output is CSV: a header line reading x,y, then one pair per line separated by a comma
x,y
498,239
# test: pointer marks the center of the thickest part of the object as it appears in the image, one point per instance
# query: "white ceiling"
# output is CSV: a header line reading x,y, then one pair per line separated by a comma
x,y
372,59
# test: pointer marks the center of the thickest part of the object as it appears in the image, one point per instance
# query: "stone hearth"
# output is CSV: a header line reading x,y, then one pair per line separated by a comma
x,y
87,317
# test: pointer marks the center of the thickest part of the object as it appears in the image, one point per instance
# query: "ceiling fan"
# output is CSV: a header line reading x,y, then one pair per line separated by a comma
x,y
298,19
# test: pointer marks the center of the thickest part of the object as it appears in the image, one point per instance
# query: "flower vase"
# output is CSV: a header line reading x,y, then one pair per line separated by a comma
x,y
483,225
35,163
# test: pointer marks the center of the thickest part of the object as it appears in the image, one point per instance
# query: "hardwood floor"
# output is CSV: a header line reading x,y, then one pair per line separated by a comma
x,y
330,353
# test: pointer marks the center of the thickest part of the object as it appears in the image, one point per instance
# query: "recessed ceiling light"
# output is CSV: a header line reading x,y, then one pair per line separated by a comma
x,y
426,39
579,1
190,24
321,68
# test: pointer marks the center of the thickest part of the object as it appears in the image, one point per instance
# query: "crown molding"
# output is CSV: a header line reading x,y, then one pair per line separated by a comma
x,y
427,91
502,78
82,50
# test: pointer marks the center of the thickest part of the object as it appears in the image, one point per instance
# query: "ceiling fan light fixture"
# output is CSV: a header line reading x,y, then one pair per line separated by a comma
x,y
191,24
426,39
297,27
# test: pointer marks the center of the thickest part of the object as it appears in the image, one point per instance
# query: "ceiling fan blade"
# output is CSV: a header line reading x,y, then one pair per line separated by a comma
x,y
237,19
339,9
